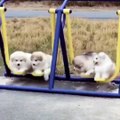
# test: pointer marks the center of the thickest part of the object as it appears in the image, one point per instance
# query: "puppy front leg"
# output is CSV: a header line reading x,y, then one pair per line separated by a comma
x,y
89,72
105,76
46,74
23,70
97,76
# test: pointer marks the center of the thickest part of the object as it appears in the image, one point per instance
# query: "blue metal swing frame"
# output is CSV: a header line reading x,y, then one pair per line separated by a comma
x,y
59,37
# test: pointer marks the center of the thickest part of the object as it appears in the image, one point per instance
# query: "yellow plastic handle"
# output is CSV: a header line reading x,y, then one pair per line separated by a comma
x,y
52,19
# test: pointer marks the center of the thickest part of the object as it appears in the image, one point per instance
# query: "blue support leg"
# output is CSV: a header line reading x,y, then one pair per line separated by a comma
x,y
64,4
64,53
119,89
55,50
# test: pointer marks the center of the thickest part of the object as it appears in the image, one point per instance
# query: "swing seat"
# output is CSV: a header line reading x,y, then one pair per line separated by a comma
x,y
36,74
19,73
100,80
117,69
114,76
33,74
6,50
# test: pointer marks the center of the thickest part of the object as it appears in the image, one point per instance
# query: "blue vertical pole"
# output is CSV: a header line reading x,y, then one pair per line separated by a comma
x,y
55,49
56,43
119,89
2,2
64,4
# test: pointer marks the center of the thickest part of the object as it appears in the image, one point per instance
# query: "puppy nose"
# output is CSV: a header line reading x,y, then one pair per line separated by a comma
x,y
33,64
18,64
95,63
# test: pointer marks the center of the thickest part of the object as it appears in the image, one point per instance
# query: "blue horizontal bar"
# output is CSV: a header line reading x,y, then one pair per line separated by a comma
x,y
62,78
81,79
61,91
74,78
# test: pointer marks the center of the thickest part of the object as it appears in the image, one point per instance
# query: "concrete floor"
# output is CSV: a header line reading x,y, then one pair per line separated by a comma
x,y
15,105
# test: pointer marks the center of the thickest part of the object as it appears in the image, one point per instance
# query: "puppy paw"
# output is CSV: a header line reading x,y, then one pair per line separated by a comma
x,y
105,76
46,77
46,74
87,74
84,75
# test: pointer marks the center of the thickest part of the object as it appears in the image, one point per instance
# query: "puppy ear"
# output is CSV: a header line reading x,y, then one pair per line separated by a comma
x,y
32,57
79,66
24,60
40,58
102,55
12,59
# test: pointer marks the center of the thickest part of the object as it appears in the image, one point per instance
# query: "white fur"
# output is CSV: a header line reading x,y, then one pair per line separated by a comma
x,y
84,63
104,66
41,62
20,62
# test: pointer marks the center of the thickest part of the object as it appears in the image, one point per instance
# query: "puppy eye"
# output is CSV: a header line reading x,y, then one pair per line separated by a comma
x,y
40,59
21,60
78,66
36,60
16,60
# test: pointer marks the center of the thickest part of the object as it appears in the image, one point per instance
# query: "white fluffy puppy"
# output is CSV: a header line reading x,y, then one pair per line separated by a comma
x,y
104,66
20,62
84,63
41,62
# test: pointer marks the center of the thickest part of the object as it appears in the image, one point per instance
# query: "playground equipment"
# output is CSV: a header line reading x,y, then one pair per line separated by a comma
x,y
58,18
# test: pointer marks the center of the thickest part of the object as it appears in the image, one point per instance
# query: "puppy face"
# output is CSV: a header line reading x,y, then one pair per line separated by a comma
x,y
17,60
84,62
78,63
37,60
99,58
